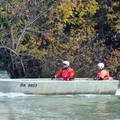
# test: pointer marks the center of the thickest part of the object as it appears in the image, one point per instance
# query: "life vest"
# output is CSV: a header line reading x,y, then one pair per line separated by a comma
x,y
103,75
65,73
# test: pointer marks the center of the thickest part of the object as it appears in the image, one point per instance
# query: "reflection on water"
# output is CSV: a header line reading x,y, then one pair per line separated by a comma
x,y
59,107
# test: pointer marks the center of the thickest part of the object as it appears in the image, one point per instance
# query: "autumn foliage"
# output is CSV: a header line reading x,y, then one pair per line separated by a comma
x,y
84,32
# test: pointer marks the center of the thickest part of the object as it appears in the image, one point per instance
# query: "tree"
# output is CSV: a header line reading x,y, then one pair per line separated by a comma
x,y
16,18
81,31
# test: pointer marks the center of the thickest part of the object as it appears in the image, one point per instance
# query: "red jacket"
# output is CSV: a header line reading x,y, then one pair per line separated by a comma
x,y
103,75
66,74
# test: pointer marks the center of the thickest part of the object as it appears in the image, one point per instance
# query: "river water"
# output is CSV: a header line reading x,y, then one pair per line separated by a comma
x,y
15,106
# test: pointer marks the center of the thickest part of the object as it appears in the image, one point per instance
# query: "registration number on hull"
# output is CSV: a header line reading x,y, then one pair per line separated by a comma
x,y
28,85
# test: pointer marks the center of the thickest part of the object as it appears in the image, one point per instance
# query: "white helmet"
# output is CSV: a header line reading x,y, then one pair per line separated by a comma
x,y
66,63
101,65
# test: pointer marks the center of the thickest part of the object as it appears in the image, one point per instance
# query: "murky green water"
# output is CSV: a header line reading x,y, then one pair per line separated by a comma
x,y
59,107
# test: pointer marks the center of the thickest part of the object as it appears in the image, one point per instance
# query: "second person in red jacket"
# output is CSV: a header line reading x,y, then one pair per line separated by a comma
x,y
66,72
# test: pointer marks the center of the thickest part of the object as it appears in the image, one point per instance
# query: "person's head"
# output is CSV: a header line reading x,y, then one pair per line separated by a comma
x,y
101,65
66,64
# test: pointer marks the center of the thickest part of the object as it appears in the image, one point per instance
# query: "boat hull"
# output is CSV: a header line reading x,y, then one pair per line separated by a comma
x,y
45,86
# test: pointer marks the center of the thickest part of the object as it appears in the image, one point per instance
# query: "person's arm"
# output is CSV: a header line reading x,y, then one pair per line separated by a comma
x,y
98,76
58,74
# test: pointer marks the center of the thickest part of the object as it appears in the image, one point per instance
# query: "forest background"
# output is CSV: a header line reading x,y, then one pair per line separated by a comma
x,y
37,35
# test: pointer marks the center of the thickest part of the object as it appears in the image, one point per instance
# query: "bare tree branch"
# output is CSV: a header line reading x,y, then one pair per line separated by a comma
x,y
24,30
12,51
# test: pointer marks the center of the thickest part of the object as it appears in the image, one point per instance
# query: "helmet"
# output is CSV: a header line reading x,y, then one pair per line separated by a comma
x,y
66,63
101,65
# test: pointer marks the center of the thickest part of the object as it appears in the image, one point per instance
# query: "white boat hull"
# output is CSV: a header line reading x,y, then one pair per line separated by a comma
x,y
45,86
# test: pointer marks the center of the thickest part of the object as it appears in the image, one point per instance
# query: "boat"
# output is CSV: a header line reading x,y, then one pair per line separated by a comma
x,y
117,92
46,86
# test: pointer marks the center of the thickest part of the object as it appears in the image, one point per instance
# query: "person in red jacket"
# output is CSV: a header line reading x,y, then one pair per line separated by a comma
x,y
67,73
102,74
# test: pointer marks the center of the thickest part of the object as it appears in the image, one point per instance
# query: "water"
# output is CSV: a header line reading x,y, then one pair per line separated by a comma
x,y
59,107
4,74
